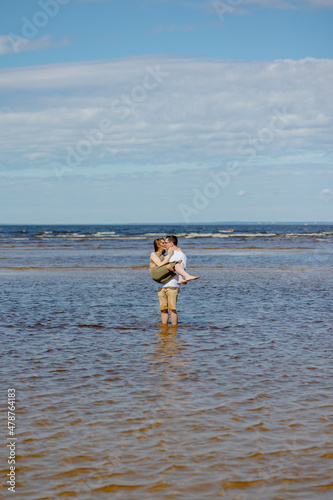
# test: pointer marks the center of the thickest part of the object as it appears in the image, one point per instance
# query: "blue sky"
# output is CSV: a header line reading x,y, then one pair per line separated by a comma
x,y
166,111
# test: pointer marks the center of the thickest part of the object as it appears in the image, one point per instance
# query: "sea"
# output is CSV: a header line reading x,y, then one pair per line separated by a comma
x,y
103,402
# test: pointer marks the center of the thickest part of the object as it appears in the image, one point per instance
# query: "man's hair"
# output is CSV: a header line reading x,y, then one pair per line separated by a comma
x,y
173,239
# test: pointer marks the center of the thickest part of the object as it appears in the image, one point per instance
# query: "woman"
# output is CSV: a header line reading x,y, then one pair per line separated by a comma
x,y
161,270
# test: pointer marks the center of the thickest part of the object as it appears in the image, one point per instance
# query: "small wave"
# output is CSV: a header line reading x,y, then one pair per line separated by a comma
x,y
72,235
226,234
220,233
104,233
202,235
16,239
324,233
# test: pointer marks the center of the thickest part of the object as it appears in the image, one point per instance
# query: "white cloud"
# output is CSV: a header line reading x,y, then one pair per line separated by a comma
x,y
12,44
284,4
317,4
241,193
92,1
327,192
226,7
273,4
203,112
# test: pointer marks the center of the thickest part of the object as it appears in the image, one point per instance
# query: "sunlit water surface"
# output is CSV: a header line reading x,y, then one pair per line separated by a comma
x,y
234,403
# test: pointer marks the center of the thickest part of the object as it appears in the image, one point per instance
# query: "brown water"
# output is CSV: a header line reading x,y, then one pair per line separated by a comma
x,y
234,403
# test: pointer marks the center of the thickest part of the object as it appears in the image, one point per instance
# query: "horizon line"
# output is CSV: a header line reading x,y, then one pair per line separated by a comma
x,y
157,223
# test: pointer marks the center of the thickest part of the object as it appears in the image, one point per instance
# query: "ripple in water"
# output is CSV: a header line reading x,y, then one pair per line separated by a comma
x,y
234,403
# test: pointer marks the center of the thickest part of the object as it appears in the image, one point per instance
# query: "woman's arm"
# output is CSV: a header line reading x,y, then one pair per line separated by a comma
x,y
159,262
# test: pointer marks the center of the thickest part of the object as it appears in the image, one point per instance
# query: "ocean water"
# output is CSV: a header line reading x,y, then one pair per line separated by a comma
x,y
233,403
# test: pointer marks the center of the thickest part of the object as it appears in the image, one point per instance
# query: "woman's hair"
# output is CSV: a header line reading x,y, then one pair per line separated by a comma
x,y
157,244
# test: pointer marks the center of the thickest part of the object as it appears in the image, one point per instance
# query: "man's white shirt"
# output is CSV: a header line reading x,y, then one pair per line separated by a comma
x,y
177,255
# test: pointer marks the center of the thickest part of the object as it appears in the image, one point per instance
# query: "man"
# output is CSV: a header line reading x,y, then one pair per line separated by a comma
x,y
168,293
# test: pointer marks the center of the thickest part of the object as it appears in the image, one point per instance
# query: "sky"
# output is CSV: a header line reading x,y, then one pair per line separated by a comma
x,y
157,111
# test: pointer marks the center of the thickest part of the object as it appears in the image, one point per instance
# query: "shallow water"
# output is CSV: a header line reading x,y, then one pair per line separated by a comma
x,y
234,403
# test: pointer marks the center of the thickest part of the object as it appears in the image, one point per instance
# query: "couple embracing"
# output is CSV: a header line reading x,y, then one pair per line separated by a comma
x,y
170,272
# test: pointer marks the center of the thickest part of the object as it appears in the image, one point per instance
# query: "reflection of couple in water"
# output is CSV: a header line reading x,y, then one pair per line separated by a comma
x,y
170,272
